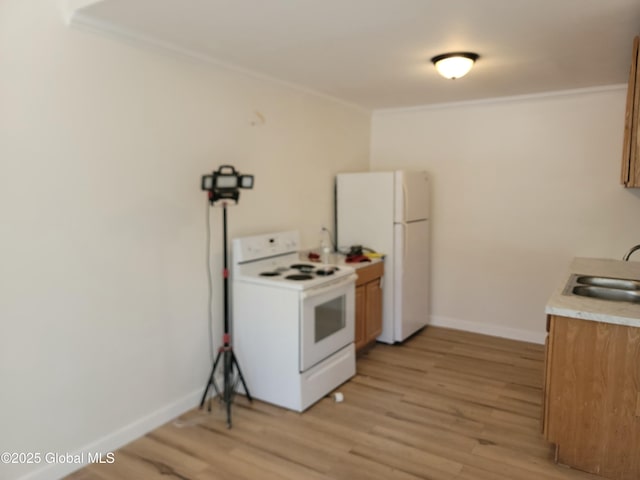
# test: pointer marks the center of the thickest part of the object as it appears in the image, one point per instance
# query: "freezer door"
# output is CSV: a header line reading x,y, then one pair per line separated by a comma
x,y
411,289
411,196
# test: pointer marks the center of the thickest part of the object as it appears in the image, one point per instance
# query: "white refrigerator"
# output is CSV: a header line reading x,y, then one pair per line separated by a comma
x,y
389,213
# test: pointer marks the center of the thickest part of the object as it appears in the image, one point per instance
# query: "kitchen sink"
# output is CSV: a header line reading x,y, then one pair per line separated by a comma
x,y
604,288
609,282
605,293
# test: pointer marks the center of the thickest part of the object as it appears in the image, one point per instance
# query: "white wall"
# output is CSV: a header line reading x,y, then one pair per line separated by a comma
x,y
103,293
520,187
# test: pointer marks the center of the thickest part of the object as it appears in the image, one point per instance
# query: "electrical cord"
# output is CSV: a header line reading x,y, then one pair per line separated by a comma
x,y
209,278
200,419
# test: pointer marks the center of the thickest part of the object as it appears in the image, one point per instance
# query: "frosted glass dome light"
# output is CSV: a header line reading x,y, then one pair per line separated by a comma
x,y
454,65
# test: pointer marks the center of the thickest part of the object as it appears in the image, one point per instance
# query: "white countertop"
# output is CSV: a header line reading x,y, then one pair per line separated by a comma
x,y
587,308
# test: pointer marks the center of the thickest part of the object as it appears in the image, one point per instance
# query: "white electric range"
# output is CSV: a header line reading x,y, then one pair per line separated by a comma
x,y
293,322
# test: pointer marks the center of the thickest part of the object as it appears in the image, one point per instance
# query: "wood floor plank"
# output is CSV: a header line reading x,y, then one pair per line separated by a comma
x,y
445,405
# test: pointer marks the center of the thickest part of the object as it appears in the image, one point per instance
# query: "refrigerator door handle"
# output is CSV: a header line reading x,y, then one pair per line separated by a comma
x,y
405,245
405,201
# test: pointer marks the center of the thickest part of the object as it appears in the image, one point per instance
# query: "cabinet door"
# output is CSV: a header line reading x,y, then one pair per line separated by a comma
x,y
631,149
361,312
593,396
374,310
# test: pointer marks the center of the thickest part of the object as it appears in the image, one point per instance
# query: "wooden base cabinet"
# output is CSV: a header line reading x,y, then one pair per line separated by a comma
x,y
368,304
592,396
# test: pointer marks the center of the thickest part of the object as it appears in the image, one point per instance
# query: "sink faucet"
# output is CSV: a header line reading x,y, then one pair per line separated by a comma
x,y
633,249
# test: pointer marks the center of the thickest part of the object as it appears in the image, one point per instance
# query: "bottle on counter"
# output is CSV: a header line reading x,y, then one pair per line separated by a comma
x,y
325,245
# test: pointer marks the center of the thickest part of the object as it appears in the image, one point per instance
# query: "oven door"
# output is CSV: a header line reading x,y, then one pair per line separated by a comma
x,y
327,320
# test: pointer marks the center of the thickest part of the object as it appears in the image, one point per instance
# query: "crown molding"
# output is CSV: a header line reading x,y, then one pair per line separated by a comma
x,y
86,22
509,99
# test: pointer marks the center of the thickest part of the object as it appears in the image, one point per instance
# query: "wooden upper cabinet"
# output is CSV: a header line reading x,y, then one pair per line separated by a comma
x,y
631,148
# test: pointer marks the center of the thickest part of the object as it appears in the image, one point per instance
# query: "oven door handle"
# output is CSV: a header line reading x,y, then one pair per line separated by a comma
x,y
332,286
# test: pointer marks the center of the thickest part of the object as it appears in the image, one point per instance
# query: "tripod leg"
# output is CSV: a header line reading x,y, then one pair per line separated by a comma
x,y
228,383
206,390
210,383
244,384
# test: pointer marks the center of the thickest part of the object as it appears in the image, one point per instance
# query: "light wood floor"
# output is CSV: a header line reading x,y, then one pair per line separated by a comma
x,y
445,405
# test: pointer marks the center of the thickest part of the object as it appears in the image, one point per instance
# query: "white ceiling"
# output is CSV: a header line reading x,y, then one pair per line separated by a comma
x,y
375,53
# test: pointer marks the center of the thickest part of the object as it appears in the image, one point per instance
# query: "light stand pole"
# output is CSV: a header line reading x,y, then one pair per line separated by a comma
x,y
218,186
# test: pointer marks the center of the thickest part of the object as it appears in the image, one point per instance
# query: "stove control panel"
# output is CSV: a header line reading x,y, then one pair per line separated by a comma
x,y
246,249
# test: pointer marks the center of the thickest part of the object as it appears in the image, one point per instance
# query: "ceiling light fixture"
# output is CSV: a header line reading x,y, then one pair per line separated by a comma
x,y
454,65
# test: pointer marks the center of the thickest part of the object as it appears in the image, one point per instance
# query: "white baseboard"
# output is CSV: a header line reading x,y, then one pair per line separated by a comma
x,y
489,329
119,438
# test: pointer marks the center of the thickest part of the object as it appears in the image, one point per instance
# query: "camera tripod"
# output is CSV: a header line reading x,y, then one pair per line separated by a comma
x,y
225,352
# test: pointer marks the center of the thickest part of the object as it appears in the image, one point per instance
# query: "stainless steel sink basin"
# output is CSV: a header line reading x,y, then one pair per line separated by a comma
x,y
620,283
604,293
604,288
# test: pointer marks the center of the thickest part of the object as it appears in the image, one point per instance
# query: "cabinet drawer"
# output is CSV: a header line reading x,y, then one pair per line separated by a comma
x,y
369,273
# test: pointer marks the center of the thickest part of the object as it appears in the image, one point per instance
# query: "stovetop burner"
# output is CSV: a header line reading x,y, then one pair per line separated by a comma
x,y
299,276
326,271
302,266
269,274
